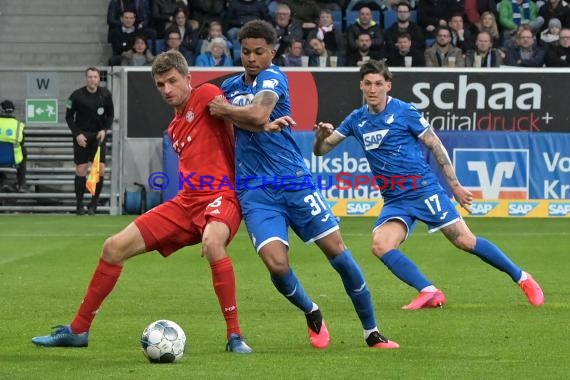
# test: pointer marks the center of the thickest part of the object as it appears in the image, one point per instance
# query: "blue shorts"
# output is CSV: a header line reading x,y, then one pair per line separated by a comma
x,y
434,208
268,213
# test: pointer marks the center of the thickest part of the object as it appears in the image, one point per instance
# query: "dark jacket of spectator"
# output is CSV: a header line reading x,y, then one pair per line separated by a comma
x,y
241,11
375,31
558,56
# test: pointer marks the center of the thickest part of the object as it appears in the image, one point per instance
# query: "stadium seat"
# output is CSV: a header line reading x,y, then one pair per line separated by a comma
x,y
159,47
391,16
337,19
351,17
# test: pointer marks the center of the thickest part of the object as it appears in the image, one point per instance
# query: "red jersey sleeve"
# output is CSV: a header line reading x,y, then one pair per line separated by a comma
x,y
206,92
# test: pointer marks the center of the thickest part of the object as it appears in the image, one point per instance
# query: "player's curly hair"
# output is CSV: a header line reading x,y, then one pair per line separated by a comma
x,y
168,60
258,29
375,67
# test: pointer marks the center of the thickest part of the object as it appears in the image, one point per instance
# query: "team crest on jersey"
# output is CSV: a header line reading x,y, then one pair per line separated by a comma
x,y
189,116
390,119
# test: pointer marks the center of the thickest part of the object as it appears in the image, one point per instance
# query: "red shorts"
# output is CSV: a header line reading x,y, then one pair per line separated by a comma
x,y
181,221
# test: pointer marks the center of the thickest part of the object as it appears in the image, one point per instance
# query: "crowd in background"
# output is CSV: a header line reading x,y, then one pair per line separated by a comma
x,y
421,33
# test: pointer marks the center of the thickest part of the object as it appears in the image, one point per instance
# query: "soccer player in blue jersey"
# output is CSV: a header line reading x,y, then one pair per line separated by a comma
x,y
390,131
279,192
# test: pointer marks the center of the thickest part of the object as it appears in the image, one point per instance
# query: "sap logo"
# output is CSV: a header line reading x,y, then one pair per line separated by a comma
x,y
359,208
242,100
499,173
558,209
482,208
372,140
521,208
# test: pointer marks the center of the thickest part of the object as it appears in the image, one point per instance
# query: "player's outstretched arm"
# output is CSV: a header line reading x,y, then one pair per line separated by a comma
x,y
325,138
434,144
252,117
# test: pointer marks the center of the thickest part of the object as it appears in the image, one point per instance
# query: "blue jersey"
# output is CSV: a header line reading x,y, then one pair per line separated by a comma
x,y
263,155
392,148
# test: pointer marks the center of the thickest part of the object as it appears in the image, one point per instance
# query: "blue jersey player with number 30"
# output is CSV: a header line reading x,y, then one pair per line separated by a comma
x,y
390,132
279,191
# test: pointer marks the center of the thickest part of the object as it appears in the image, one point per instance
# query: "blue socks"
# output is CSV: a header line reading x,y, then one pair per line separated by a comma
x,y
291,288
355,286
492,255
405,269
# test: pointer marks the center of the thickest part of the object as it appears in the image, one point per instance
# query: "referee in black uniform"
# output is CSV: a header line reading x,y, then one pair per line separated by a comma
x,y
89,114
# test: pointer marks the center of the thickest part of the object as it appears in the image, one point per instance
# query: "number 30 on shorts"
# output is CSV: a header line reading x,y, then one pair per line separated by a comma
x,y
315,202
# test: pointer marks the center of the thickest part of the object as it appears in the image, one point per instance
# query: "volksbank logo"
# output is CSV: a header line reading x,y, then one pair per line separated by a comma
x,y
358,208
521,208
493,173
482,208
558,209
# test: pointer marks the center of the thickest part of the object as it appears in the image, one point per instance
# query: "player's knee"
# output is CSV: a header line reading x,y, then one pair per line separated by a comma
x,y
465,242
381,247
277,266
213,249
113,251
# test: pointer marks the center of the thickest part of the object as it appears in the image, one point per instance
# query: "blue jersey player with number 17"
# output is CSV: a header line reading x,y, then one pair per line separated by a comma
x,y
390,132
279,192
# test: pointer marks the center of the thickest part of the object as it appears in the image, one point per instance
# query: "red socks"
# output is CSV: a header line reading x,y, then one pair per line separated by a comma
x,y
223,280
102,283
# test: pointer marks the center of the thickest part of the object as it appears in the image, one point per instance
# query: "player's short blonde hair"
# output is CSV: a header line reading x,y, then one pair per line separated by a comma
x,y
171,59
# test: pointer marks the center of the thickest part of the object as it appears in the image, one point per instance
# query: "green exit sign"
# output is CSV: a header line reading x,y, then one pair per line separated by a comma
x,y
41,111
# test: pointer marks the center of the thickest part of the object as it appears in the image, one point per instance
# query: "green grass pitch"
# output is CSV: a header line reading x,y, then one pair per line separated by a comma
x,y
486,331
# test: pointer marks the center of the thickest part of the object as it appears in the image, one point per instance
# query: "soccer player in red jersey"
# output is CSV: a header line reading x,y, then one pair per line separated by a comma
x,y
205,211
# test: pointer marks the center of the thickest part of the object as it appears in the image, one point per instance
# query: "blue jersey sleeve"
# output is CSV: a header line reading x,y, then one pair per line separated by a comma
x,y
415,121
273,80
345,128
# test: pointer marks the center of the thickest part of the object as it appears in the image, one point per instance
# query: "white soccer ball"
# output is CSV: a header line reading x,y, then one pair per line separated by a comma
x,y
163,342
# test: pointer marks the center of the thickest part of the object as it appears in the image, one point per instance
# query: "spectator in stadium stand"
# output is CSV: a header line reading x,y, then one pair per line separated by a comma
x,y
461,37
240,12
365,23
141,8
405,25
206,11
162,14
292,57
123,37
442,50
12,131
364,53
333,37
214,30
488,23
188,29
555,9
174,41
484,55
513,13
89,115
216,55
474,9
435,13
319,51
138,55
559,55
288,29
397,57
551,35
525,52
306,11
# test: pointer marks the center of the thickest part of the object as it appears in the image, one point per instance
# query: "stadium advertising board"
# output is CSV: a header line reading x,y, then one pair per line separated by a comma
x,y
493,100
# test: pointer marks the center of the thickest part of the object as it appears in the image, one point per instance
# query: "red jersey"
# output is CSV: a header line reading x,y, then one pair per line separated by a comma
x,y
204,144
